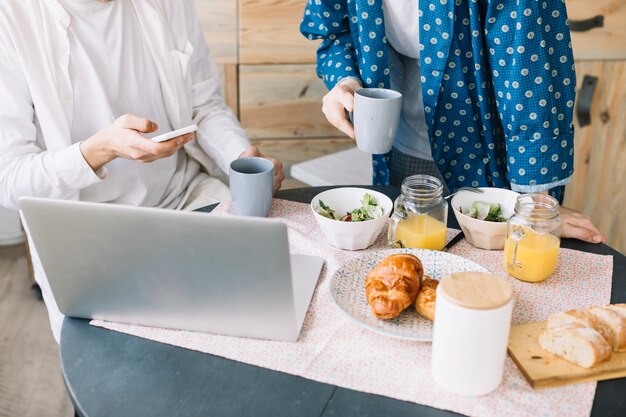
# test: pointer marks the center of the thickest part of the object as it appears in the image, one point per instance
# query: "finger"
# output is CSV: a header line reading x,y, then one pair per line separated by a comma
x,y
587,224
140,124
346,98
179,140
278,181
278,171
140,147
581,221
337,117
251,151
580,233
335,104
278,166
343,124
570,231
169,148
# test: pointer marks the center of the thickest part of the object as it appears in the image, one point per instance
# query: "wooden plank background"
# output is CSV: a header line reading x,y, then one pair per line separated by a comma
x,y
230,86
608,42
270,33
282,101
219,21
598,187
292,151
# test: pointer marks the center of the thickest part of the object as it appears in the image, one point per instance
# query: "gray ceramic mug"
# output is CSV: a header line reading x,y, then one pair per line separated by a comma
x,y
376,118
252,186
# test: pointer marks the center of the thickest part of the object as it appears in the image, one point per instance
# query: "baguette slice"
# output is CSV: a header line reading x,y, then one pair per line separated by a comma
x,y
582,346
616,322
579,318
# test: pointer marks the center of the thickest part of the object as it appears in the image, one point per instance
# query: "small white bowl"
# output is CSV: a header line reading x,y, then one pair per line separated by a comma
x,y
481,233
350,235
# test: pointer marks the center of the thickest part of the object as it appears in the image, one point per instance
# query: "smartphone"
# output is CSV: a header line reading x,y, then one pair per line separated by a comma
x,y
171,135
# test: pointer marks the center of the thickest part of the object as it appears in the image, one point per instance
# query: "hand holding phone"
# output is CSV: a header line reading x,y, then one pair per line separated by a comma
x,y
174,134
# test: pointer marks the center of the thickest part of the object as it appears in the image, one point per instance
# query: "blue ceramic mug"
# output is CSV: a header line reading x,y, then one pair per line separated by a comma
x,y
252,186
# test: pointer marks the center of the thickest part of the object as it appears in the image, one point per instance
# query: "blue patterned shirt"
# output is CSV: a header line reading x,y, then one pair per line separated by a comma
x,y
497,78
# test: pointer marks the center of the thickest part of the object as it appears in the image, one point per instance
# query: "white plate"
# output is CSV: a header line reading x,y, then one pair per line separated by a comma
x,y
347,289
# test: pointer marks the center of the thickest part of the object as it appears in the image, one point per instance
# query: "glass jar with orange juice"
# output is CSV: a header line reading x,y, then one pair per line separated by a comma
x,y
420,214
531,248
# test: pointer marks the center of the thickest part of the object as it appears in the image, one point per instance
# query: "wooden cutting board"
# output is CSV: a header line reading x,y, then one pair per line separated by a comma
x,y
542,369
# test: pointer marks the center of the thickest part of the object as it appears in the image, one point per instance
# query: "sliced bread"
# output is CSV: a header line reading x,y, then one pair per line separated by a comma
x,y
579,318
582,346
616,323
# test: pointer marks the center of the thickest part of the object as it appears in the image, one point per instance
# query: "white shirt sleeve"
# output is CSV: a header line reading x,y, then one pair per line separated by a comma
x,y
25,168
219,133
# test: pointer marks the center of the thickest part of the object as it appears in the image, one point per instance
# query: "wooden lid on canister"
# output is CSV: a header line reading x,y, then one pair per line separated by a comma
x,y
476,290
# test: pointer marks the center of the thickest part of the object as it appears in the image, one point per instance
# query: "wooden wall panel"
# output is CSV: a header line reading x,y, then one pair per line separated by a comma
x,y
608,42
282,101
598,186
292,151
219,21
229,75
269,33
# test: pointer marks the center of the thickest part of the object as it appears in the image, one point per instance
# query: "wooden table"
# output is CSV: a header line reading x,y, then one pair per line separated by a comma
x,y
114,374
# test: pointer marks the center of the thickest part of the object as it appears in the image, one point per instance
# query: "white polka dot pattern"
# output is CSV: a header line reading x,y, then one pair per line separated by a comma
x,y
500,73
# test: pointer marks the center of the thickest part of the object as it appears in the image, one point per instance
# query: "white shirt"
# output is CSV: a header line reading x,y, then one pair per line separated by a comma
x,y
402,26
41,86
402,33
39,155
112,73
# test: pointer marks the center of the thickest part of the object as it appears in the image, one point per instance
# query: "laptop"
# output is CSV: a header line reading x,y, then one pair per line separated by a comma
x,y
192,271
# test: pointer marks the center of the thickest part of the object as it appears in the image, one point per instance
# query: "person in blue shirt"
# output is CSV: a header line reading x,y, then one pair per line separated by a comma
x,y
488,89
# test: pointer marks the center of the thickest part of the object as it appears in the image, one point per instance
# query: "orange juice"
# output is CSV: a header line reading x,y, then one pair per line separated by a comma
x,y
421,231
537,255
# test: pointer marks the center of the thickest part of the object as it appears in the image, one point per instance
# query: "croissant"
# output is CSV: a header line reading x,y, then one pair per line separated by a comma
x,y
393,284
426,298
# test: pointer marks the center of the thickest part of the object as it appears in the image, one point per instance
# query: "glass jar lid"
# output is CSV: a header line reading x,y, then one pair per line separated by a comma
x,y
536,206
422,187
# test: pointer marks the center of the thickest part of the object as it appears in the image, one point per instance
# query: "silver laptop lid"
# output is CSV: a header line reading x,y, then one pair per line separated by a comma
x,y
193,271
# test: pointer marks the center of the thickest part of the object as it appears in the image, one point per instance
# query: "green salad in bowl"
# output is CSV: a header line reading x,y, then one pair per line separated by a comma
x,y
369,210
481,210
351,218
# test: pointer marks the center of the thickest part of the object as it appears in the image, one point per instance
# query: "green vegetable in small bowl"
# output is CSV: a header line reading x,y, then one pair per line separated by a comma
x,y
369,210
484,211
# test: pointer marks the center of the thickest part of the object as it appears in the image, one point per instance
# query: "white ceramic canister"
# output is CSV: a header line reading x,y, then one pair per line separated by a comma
x,y
471,332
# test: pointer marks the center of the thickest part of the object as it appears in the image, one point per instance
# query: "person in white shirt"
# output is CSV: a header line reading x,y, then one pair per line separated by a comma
x,y
84,84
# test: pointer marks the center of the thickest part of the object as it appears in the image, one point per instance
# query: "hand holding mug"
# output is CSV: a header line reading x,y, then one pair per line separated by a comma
x,y
376,114
338,101
279,175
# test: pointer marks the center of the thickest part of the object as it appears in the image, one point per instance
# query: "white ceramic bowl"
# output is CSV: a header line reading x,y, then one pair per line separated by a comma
x,y
481,233
350,235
